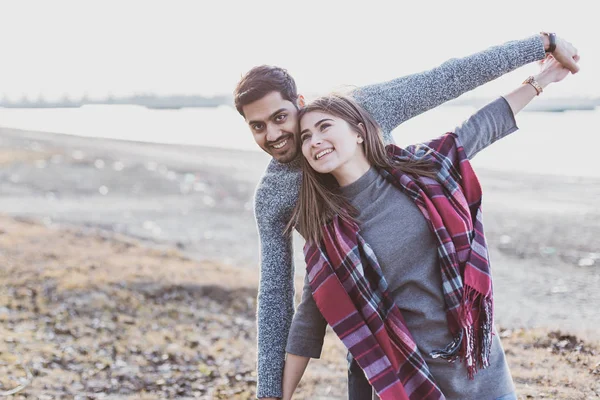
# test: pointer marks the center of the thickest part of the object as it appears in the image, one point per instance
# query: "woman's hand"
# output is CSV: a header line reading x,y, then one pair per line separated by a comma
x,y
552,70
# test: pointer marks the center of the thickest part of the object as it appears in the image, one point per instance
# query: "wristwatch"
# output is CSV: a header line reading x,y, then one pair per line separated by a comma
x,y
531,80
551,40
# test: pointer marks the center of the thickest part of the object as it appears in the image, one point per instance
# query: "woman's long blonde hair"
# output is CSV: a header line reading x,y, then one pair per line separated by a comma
x,y
320,198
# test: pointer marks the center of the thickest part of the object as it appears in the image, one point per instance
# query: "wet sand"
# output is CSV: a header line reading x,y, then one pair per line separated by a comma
x,y
120,254
192,197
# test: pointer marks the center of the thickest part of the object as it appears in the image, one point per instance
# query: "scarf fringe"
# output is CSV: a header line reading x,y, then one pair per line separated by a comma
x,y
477,334
451,351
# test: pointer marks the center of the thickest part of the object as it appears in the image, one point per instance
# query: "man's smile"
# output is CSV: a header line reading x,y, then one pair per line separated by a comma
x,y
280,144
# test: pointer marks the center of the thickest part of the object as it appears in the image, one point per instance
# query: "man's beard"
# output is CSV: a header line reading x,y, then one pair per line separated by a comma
x,y
291,154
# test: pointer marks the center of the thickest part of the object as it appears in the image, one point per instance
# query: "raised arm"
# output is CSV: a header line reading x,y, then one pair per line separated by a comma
x,y
497,119
551,72
490,123
393,102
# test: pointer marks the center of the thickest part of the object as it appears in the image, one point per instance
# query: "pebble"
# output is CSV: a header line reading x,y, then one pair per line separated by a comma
x,y
586,262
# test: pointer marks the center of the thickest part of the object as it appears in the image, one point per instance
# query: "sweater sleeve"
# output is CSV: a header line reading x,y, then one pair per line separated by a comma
x,y
393,102
490,123
308,327
275,198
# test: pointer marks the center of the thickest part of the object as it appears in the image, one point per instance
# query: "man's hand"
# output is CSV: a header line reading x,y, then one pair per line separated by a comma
x,y
566,54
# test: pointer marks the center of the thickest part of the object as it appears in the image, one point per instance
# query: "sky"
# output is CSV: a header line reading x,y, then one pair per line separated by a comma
x,y
97,48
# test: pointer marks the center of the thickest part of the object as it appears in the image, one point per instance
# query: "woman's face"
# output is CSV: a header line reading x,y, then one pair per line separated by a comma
x,y
329,144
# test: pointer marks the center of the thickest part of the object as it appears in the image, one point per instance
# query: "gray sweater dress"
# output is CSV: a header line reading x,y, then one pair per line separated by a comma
x,y
406,249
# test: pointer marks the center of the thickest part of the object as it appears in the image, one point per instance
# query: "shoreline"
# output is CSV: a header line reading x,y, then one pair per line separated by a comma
x,y
543,231
149,191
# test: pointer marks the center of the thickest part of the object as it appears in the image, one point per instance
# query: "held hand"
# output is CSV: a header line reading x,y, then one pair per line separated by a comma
x,y
552,71
566,54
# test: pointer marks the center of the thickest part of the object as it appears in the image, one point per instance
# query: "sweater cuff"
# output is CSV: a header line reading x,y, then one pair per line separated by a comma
x,y
270,385
504,103
305,348
532,49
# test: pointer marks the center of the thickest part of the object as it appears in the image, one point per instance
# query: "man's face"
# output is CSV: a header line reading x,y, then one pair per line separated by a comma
x,y
274,124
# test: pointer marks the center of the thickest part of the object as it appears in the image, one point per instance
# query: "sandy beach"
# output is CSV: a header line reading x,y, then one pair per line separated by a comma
x,y
130,270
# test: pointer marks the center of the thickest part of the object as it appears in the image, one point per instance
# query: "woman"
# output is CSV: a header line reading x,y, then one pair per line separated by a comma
x,y
396,257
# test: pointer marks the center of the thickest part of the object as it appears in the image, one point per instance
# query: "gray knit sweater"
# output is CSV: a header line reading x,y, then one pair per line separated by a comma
x,y
390,104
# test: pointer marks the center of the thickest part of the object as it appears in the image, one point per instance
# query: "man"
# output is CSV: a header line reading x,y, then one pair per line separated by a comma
x,y
268,100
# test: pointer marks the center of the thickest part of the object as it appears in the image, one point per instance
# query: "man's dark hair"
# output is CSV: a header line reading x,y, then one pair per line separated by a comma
x,y
262,80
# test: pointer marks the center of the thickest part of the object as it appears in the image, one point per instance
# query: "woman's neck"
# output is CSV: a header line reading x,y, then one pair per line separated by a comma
x,y
351,171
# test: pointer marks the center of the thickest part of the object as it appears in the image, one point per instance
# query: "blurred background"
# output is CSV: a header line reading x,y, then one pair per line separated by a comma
x,y
164,73
118,134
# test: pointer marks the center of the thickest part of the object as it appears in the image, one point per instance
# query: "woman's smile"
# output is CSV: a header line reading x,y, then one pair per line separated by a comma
x,y
323,153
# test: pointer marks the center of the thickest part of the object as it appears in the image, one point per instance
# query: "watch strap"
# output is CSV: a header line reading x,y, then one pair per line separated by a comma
x,y
551,41
531,81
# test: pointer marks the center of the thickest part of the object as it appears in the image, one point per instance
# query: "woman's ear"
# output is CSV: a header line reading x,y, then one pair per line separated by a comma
x,y
362,128
300,101
361,137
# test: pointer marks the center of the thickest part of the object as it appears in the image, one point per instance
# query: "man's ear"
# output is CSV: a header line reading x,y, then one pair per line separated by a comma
x,y
300,101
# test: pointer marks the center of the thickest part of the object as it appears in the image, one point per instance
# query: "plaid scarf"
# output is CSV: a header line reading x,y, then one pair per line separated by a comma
x,y
352,293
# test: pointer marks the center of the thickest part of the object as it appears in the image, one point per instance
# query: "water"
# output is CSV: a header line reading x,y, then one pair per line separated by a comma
x,y
217,127
547,143
562,143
